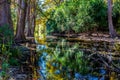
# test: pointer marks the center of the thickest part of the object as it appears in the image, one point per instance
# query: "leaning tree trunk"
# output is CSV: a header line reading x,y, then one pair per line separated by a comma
x,y
20,36
5,14
112,31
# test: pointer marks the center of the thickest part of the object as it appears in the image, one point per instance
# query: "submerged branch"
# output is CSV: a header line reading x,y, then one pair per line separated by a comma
x,y
96,57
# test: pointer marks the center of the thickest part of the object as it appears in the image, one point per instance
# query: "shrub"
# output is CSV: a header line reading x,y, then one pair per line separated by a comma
x,y
98,12
116,14
71,16
7,54
82,15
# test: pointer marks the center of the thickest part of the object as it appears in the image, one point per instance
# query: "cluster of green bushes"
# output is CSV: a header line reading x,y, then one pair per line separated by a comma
x,y
82,15
8,54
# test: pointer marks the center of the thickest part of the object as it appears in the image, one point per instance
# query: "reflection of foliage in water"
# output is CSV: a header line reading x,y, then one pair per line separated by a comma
x,y
64,61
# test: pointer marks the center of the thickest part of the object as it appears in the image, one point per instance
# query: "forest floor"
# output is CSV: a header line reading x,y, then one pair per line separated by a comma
x,y
86,37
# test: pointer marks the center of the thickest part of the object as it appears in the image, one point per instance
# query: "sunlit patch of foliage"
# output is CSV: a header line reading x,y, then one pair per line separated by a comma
x,y
71,16
81,15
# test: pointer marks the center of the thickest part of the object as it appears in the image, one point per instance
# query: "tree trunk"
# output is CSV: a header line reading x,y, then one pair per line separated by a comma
x,y
31,18
20,36
112,31
5,14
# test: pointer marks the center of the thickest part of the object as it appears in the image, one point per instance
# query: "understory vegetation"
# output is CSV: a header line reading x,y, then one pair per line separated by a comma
x,y
81,16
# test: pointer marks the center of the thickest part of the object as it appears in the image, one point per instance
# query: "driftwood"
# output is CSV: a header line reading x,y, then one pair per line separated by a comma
x,y
105,60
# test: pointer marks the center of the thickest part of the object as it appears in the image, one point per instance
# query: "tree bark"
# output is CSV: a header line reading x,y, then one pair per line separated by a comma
x,y
31,16
112,31
21,15
5,14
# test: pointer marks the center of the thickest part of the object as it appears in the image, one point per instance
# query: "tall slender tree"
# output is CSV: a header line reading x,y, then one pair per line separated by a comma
x,y
112,31
21,15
